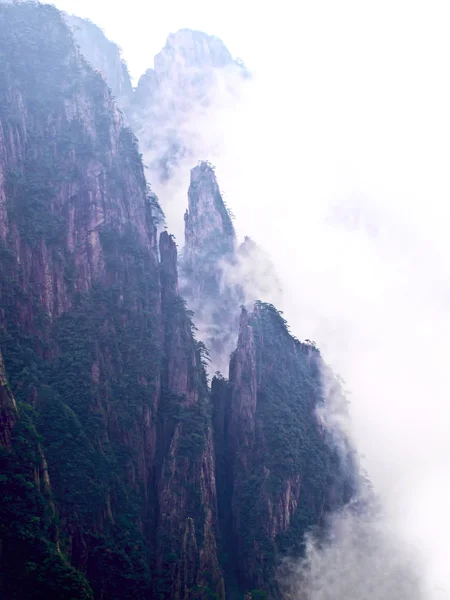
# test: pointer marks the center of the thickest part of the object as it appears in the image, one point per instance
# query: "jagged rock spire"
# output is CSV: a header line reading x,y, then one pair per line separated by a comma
x,y
209,231
189,48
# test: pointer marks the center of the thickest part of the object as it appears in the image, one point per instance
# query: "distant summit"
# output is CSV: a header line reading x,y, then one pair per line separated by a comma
x,y
192,48
193,77
218,275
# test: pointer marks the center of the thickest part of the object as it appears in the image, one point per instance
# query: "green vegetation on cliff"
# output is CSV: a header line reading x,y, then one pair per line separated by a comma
x,y
280,472
86,380
123,476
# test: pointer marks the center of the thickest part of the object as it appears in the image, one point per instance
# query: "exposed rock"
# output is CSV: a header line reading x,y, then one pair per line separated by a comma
x,y
104,55
187,485
209,232
89,317
209,252
123,475
182,362
173,102
243,375
279,476
218,276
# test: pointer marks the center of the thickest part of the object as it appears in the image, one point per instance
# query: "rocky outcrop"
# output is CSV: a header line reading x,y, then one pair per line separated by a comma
x,y
95,337
209,233
218,275
171,108
187,500
65,122
279,476
182,362
104,55
243,376
123,475
209,255
187,62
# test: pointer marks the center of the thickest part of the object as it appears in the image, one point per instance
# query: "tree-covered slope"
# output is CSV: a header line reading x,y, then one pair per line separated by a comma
x,y
279,472
122,474
103,55
90,340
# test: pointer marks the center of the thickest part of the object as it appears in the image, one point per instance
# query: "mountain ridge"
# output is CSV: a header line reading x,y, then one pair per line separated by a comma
x,y
125,474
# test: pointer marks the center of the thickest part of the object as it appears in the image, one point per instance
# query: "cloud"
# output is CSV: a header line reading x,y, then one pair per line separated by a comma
x,y
358,561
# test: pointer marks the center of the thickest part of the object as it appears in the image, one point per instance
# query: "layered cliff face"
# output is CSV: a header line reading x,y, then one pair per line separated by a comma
x,y
278,471
209,251
104,55
219,276
186,484
122,474
111,424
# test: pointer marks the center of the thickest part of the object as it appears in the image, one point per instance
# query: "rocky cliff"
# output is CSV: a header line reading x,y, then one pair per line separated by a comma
x,y
209,253
218,274
104,55
175,103
98,347
123,475
279,473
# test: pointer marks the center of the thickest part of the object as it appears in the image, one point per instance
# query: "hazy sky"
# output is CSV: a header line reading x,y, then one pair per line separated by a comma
x,y
338,164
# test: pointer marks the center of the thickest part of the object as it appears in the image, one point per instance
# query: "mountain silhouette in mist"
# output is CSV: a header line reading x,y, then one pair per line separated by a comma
x,y
125,473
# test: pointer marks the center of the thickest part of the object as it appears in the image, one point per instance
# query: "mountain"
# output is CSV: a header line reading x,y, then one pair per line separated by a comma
x,y
218,274
104,55
171,109
123,473
193,74
278,471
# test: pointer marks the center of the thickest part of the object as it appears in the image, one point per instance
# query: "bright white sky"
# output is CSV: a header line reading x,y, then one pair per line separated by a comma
x,y
352,109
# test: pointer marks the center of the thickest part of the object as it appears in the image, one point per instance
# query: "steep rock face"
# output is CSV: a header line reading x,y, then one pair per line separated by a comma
x,y
119,478
218,275
181,361
187,62
187,557
103,55
171,110
79,287
62,152
209,253
209,232
280,474
98,348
